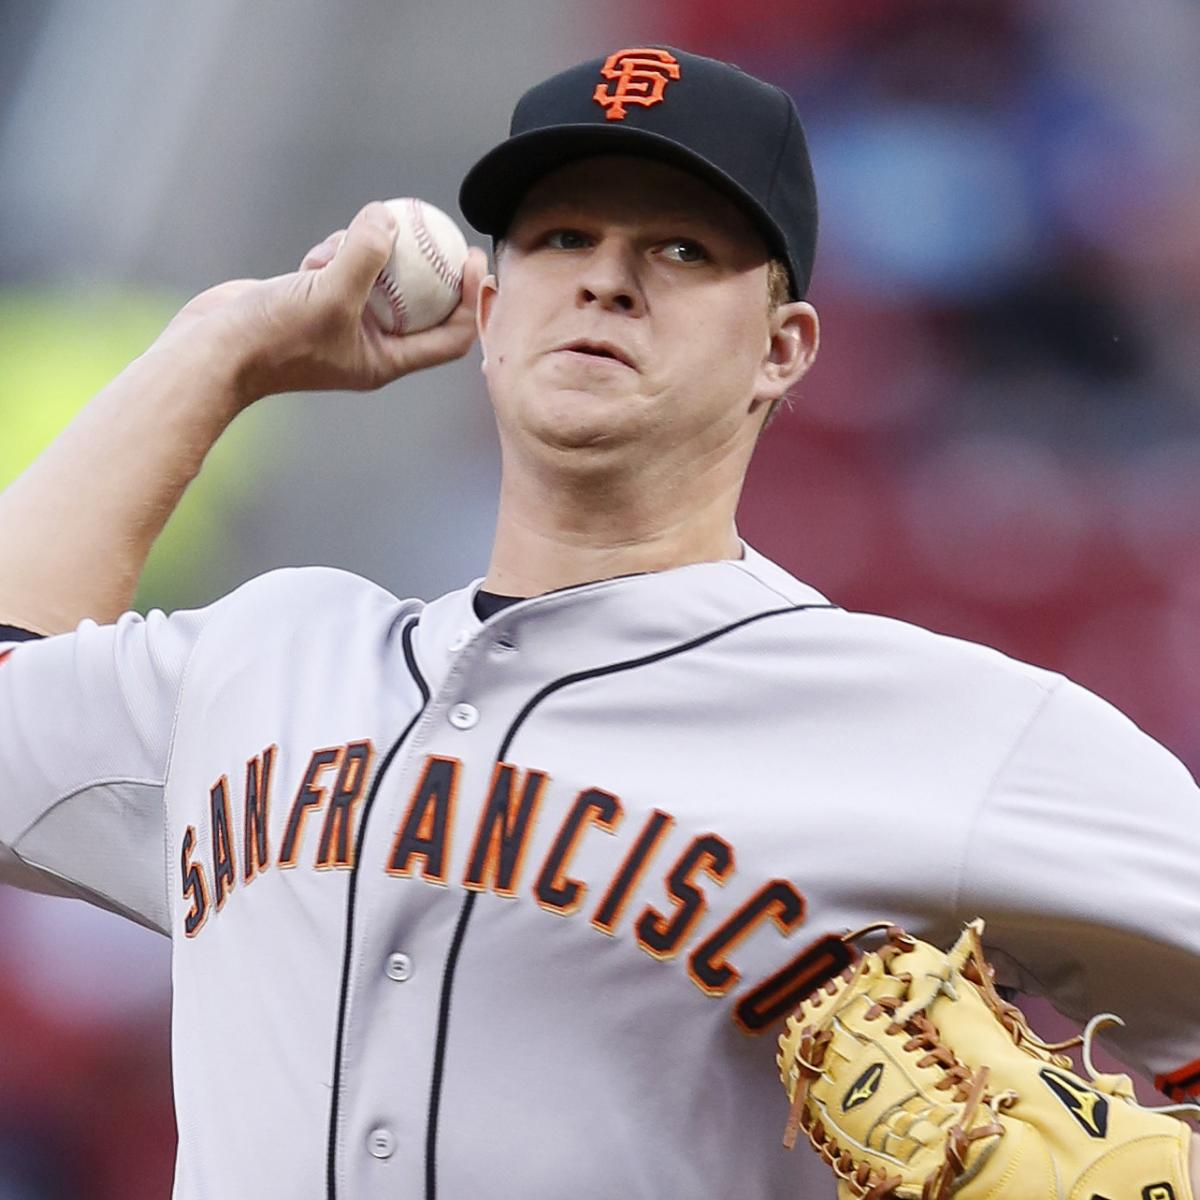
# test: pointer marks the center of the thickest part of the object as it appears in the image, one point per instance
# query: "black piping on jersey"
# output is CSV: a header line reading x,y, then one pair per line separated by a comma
x,y
335,1100
468,904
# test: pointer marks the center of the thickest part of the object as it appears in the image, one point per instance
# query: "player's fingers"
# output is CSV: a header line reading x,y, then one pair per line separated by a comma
x,y
361,255
451,339
416,351
322,254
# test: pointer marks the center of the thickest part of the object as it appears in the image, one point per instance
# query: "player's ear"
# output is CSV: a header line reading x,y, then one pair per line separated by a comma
x,y
793,337
484,303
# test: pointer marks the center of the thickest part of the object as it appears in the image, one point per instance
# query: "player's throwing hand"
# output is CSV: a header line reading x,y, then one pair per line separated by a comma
x,y
305,331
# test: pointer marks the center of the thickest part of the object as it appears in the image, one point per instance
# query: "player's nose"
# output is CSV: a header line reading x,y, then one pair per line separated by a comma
x,y
609,278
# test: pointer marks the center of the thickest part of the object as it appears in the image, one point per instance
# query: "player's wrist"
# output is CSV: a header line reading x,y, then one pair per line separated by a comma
x,y
220,370
245,373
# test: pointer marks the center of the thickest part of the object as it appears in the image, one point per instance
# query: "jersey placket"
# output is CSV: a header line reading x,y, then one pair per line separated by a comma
x,y
410,918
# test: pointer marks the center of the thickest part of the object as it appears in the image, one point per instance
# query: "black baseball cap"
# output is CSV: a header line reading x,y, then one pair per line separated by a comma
x,y
734,131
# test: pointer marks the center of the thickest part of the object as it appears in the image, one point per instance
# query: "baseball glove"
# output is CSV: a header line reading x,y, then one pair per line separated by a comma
x,y
913,1078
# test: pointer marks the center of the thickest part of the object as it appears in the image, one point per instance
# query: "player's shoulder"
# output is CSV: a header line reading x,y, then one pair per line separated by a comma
x,y
1048,716
941,653
298,585
289,599
915,649
907,666
1044,723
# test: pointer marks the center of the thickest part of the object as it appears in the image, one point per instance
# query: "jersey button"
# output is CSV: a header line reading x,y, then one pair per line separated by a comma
x,y
464,716
381,1143
399,967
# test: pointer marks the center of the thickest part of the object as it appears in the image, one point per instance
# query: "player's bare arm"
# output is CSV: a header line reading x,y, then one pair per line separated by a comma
x,y
78,525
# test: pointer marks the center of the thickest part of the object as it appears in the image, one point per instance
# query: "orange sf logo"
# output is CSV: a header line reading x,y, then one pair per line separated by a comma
x,y
640,77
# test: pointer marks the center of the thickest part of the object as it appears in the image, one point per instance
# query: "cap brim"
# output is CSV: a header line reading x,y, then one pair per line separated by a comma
x,y
498,182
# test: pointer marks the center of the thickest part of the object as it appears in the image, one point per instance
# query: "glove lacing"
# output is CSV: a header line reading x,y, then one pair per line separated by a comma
x,y
907,1016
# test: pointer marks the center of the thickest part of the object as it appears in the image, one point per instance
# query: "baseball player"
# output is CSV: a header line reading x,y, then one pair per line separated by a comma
x,y
508,894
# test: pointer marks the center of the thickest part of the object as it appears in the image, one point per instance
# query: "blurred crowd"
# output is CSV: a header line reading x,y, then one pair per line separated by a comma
x,y
1001,439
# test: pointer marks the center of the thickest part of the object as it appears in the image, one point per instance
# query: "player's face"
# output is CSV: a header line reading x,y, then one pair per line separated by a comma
x,y
630,317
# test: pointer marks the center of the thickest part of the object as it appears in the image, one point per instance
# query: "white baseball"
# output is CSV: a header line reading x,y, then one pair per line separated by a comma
x,y
422,282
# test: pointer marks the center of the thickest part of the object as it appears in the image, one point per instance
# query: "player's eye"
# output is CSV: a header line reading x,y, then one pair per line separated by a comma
x,y
683,250
566,239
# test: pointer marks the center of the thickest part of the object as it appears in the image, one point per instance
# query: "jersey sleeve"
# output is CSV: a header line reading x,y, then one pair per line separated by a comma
x,y
1085,860
86,721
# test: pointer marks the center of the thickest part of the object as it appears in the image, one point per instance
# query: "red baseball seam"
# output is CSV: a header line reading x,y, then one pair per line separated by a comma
x,y
395,299
445,272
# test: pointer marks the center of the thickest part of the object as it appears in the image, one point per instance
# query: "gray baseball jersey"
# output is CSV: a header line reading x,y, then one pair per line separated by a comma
x,y
516,907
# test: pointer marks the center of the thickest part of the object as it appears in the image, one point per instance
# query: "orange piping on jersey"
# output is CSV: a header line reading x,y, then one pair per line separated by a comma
x,y
256,827
224,864
663,937
778,900
194,885
428,825
309,795
592,807
502,838
629,874
770,1001
347,791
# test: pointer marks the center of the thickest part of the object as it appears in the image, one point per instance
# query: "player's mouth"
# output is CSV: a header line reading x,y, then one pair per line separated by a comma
x,y
598,349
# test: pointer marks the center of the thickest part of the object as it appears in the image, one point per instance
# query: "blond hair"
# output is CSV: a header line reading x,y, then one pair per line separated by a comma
x,y
779,291
779,284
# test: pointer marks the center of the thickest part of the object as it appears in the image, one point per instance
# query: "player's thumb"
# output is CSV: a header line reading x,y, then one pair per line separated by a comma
x,y
363,253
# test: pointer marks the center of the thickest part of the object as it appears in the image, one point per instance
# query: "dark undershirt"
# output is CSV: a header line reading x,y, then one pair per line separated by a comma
x,y
487,604
10,633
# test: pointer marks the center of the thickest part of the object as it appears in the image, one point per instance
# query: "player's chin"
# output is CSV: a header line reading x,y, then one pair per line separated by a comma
x,y
576,421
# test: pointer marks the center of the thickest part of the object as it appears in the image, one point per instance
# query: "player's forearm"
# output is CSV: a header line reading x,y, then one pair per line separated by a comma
x,y
77,526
